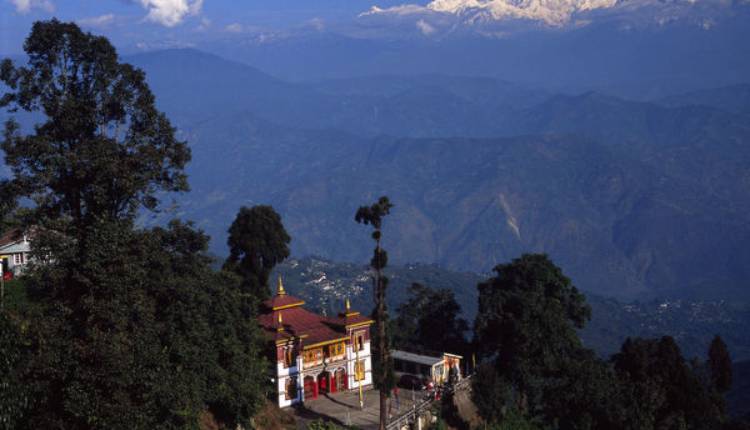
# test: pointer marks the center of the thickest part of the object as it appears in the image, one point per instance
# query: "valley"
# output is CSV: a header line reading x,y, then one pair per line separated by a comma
x,y
633,199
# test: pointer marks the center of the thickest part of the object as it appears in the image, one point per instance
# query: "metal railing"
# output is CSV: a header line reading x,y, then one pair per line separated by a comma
x,y
411,415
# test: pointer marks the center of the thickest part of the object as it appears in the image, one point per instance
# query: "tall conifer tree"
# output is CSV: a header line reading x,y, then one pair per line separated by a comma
x,y
374,215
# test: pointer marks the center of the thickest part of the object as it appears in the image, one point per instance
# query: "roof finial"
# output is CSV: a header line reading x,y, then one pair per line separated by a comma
x,y
281,323
280,288
348,305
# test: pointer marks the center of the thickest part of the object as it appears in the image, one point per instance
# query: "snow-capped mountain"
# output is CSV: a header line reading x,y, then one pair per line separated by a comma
x,y
552,12
556,13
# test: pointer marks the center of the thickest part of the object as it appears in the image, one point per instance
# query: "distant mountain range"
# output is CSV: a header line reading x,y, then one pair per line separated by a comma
x,y
632,199
557,13
638,48
733,98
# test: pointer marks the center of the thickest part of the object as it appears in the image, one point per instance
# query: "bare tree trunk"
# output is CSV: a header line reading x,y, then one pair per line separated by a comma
x,y
382,344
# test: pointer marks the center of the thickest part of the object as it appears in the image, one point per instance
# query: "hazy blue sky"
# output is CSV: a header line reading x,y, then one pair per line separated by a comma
x,y
130,22
535,41
147,24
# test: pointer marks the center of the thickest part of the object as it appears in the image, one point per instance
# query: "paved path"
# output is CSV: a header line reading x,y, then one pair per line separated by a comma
x,y
343,408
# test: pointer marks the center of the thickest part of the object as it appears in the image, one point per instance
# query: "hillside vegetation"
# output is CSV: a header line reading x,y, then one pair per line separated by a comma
x,y
324,285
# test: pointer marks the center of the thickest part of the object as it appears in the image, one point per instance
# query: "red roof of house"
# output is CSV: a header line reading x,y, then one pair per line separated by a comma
x,y
284,318
349,318
301,323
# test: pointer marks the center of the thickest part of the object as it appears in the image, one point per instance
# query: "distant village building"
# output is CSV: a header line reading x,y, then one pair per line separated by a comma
x,y
315,354
15,249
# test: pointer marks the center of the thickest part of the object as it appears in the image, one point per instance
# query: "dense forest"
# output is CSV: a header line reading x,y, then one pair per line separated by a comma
x,y
122,326
115,325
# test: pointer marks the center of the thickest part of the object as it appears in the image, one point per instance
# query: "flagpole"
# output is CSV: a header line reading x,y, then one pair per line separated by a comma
x,y
356,365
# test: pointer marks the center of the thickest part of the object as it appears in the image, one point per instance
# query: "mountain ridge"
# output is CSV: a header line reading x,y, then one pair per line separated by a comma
x,y
629,197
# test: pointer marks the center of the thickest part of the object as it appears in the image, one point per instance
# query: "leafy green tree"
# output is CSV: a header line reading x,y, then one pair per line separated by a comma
x,y
374,215
430,321
324,425
208,326
104,150
526,324
491,393
14,394
129,328
720,365
515,420
665,384
584,394
257,242
164,339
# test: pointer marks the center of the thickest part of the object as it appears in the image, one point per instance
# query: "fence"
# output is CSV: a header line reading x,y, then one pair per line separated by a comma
x,y
415,412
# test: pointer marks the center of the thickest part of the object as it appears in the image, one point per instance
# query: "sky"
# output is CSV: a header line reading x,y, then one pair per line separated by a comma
x,y
135,25
472,37
132,22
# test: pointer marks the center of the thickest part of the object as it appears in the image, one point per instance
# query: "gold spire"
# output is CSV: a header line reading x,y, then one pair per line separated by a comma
x,y
280,288
281,323
348,312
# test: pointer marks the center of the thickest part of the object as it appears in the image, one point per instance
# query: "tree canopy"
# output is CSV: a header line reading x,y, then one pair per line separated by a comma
x,y
103,150
535,364
667,391
426,313
527,320
257,243
127,327
154,338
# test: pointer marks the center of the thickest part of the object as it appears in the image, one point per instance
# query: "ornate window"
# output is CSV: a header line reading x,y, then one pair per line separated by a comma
x,y
288,356
313,357
290,393
359,341
336,350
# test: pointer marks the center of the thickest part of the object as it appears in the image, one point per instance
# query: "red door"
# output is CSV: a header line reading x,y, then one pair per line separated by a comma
x,y
324,382
311,388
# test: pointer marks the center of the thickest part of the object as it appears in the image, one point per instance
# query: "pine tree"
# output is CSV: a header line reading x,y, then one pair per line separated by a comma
x,y
374,215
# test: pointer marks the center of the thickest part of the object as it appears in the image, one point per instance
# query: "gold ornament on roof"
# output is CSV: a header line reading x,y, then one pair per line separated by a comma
x,y
281,323
280,288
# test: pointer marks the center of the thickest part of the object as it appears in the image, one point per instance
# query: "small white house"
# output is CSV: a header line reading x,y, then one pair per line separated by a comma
x,y
436,368
15,249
